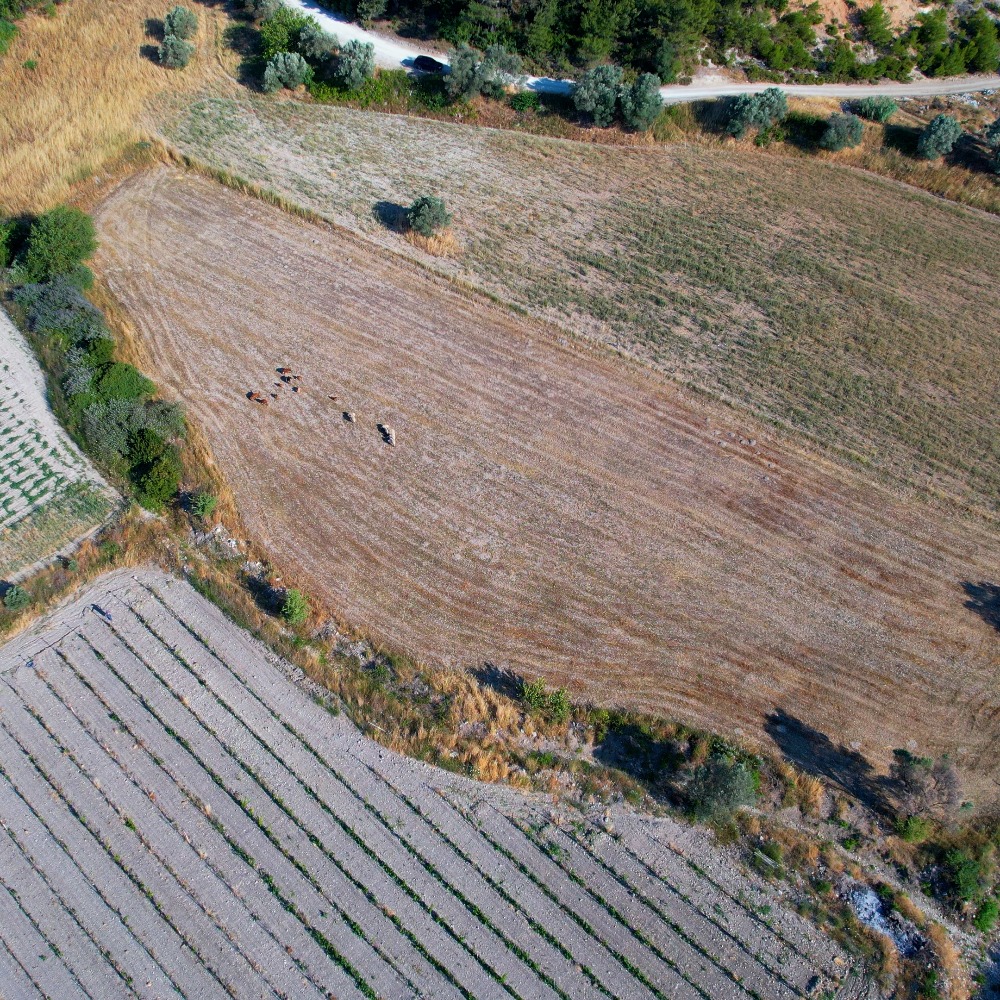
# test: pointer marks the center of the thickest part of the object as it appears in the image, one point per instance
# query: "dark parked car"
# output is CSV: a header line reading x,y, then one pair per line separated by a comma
x,y
427,65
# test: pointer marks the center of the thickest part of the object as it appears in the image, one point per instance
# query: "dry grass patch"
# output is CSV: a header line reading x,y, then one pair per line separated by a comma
x,y
82,103
545,507
443,244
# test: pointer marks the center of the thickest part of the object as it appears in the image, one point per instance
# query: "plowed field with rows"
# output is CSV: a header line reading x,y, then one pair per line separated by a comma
x,y
49,494
548,507
179,818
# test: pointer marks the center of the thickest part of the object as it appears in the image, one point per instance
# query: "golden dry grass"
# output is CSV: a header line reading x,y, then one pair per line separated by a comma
x,y
83,103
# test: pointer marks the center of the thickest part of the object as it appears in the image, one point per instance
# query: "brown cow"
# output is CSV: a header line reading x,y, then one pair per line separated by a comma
x,y
284,371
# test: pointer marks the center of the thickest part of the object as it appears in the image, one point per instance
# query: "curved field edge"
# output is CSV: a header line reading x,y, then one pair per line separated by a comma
x,y
847,307
176,810
547,507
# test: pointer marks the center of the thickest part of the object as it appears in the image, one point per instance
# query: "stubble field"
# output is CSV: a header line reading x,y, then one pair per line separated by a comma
x,y
546,506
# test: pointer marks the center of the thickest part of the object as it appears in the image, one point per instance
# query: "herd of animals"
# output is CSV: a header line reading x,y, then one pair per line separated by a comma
x,y
289,380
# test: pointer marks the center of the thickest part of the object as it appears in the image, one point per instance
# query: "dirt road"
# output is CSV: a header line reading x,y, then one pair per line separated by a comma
x,y
547,507
391,53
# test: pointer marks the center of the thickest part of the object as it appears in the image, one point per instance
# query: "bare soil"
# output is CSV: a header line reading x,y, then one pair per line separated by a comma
x,y
546,506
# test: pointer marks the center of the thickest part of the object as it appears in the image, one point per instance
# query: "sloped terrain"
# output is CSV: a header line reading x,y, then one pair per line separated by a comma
x,y
180,818
546,507
49,493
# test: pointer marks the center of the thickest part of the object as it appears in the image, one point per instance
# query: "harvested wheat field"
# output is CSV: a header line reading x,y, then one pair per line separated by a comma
x,y
546,507
178,817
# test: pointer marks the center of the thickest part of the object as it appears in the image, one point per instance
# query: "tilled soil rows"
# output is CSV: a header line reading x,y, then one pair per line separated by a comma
x,y
179,817
547,507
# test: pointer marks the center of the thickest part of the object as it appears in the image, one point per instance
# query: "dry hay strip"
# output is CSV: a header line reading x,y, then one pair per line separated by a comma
x,y
181,819
546,507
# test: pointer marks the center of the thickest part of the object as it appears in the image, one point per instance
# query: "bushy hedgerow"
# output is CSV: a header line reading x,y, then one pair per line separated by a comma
x,y
490,74
760,111
16,598
107,405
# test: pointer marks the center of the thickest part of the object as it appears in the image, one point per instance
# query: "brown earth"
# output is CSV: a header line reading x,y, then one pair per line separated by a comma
x,y
548,506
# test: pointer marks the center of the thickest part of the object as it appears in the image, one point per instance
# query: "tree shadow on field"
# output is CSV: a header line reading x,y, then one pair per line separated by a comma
x,y
902,137
269,599
984,600
630,747
499,679
816,754
390,215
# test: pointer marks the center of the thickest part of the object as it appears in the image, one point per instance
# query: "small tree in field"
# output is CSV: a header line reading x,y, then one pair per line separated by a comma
x,y
759,111
355,64
427,215
877,109
596,94
641,102
203,504
286,69
58,242
842,132
16,599
174,52
181,22
719,787
992,137
295,610
939,137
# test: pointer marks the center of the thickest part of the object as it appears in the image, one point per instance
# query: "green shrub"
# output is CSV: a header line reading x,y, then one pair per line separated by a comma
x,y
877,25
315,43
913,829
554,705
490,75
295,610
992,137
8,230
842,132
987,915
203,504
720,787
121,381
286,69
759,111
281,32
596,94
158,484
535,694
174,52
641,102
463,80
427,215
525,100
181,22
982,50
8,32
877,109
261,10
964,874
58,241
16,598
939,137
57,309
355,64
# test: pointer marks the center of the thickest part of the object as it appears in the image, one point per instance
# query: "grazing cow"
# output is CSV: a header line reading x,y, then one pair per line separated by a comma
x,y
295,388
388,434
284,371
349,416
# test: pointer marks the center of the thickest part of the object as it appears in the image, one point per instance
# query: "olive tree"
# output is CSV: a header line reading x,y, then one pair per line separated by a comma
x,y
181,22
261,10
759,111
174,52
992,137
939,137
315,43
470,76
596,94
286,69
641,102
427,215
719,787
842,132
355,63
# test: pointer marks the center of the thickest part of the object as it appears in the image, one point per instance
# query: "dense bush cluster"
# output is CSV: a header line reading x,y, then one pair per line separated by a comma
x,y
179,25
601,95
756,111
490,74
107,405
668,38
843,131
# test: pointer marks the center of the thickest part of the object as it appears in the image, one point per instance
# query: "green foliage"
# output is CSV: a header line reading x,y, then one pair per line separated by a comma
x,y
992,137
877,109
913,829
491,75
982,51
843,131
641,102
964,874
8,32
121,381
719,788
281,32
157,483
181,22
203,504
286,69
427,215
596,94
987,915
58,242
759,111
355,64
554,705
58,310
261,10
463,80
8,229
316,44
174,52
877,25
939,137
295,610
525,100
16,598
